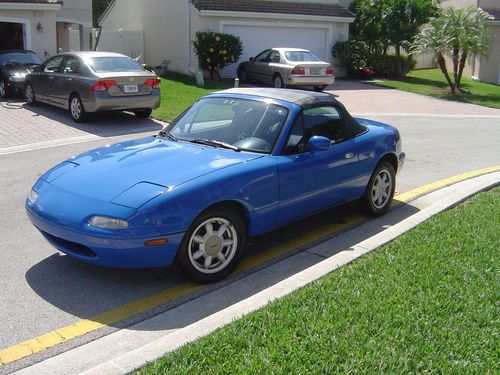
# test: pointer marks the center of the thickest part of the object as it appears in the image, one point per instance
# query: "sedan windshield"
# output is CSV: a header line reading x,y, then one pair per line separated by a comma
x,y
237,124
107,64
19,58
301,56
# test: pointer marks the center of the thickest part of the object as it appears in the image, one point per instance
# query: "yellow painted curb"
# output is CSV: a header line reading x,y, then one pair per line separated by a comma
x,y
128,310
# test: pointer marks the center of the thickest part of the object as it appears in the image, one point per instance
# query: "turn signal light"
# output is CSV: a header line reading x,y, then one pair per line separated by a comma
x,y
298,70
153,82
329,72
158,242
103,85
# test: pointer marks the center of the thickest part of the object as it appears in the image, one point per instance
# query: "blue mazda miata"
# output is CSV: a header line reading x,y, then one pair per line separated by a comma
x,y
237,163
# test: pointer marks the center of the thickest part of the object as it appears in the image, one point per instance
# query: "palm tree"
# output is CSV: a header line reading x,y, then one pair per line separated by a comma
x,y
458,33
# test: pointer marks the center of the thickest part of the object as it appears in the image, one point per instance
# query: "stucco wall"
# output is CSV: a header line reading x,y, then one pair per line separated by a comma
x,y
489,67
41,42
78,12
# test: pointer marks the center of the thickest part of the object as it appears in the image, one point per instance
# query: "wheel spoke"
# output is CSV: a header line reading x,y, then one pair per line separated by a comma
x,y
209,229
208,261
222,230
221,257
198,240
227,242
198,254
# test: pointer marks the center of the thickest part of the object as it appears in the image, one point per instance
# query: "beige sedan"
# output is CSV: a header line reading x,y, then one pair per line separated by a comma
x,y
283,67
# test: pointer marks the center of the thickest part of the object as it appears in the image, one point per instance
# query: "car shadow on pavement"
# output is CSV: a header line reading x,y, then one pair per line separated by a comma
x,y
85,290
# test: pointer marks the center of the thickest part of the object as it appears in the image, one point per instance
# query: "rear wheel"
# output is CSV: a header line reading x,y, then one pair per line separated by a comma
x,y
29,94
278,81
380,190
143,113
213,245
3,90
319,88
76,109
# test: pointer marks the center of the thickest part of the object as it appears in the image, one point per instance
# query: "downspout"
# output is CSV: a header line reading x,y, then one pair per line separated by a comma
x,y
190,52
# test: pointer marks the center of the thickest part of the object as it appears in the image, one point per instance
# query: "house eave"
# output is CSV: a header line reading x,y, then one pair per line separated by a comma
x,y
287,16
30,6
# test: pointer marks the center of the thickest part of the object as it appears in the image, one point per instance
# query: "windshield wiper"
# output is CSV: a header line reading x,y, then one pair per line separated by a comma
x,y
168,135
214,143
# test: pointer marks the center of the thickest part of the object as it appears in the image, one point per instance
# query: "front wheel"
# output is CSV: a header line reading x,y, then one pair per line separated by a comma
x,y
380,190
76,109
29,94
213,245
3,90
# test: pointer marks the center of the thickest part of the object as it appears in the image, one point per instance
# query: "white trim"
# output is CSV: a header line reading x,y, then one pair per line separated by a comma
x,y
26,30
305,25
74,21
30,6
299,17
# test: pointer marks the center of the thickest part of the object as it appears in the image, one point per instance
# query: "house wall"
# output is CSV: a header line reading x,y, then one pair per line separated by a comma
x,y
489,67
77,12
459,3
44,43
493,4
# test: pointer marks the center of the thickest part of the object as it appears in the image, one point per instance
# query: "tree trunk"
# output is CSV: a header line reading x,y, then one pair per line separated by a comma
x,y
461,67
454,57
444,70
398,60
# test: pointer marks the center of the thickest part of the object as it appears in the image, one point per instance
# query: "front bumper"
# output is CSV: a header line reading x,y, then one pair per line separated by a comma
x,y
101,101
14,86
300,80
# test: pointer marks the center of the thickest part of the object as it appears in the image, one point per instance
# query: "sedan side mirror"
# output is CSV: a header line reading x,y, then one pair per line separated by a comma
x,y
318,143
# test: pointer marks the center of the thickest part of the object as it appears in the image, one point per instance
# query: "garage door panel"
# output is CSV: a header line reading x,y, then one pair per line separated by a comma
x,y
258,38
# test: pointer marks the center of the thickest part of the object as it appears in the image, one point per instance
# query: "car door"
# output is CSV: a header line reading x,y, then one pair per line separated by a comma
x,y
257,68
310,181
44,85
67,81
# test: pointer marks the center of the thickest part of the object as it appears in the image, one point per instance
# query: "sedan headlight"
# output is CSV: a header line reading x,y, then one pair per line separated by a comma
x,y
16,77
105,222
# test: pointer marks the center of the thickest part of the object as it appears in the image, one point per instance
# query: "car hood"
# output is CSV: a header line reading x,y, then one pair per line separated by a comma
x,y
133,172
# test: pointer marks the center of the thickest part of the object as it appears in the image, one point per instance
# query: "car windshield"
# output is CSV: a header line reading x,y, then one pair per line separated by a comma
x,y
19,58
106,64
237,124
301,56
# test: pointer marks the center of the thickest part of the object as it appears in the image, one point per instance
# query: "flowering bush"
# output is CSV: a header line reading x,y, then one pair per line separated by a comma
x,y
216,50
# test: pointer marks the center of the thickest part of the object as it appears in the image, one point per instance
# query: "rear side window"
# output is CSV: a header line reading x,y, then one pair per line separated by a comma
x,y
53,64
71,66
107,64
326,122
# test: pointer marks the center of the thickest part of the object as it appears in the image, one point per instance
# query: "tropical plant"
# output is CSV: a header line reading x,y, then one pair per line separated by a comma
x,y
458,33
216,50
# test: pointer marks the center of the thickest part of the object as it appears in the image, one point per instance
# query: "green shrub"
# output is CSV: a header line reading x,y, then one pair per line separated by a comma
x,y
216,50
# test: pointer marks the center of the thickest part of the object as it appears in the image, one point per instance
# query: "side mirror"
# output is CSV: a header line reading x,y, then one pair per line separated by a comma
x,y
318,143
251,59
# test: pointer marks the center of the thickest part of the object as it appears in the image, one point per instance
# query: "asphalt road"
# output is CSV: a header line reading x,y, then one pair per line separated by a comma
x,y
42,291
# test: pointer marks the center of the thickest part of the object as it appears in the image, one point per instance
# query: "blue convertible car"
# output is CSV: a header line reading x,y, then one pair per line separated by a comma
x,y
237,163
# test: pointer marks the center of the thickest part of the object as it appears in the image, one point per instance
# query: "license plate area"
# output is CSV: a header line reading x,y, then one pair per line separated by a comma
x,y
315,71
129,89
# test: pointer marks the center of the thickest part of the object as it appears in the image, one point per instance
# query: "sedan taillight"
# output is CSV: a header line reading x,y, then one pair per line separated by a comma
x,y
329,72
153,82
103,85
298,70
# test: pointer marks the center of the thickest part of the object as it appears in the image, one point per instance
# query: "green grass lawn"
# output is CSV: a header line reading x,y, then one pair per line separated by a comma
x,y
179,91
432,82
426,303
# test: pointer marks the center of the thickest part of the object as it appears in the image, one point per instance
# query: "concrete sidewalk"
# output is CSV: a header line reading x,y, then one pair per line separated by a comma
x,y
129,349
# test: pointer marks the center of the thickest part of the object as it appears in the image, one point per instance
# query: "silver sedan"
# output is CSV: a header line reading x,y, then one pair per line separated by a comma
x,y
282,67
85,82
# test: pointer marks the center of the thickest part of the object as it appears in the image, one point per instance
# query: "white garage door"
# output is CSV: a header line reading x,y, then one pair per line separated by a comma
x,y
258,38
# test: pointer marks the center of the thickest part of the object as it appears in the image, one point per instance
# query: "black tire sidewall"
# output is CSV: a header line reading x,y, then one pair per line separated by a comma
x,y
182,256
277,75
242,75
367,202
143,113
6,94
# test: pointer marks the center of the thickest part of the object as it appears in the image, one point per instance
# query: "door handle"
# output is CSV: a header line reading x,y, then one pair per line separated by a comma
x,y
51,77
349,155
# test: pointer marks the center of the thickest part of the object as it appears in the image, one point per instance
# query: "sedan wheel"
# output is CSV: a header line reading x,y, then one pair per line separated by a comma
x,y
242,75
3,90
380,190
76,109
29,94
278,81
213,245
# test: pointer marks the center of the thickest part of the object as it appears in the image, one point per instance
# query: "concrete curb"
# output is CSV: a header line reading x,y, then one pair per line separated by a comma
x,y
425,207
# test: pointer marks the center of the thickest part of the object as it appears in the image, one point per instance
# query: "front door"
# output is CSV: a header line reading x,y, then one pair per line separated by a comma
x,y
45,84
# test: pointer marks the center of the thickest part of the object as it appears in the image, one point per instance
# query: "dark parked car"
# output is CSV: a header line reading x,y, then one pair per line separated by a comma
x,y
14,66
283,67
237,163
86,81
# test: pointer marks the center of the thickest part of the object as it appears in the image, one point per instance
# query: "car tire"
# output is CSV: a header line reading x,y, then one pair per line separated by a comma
x,y
76,109
319,88
4,92
379,192
242,75
29,94
223,232
278,81
143,113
